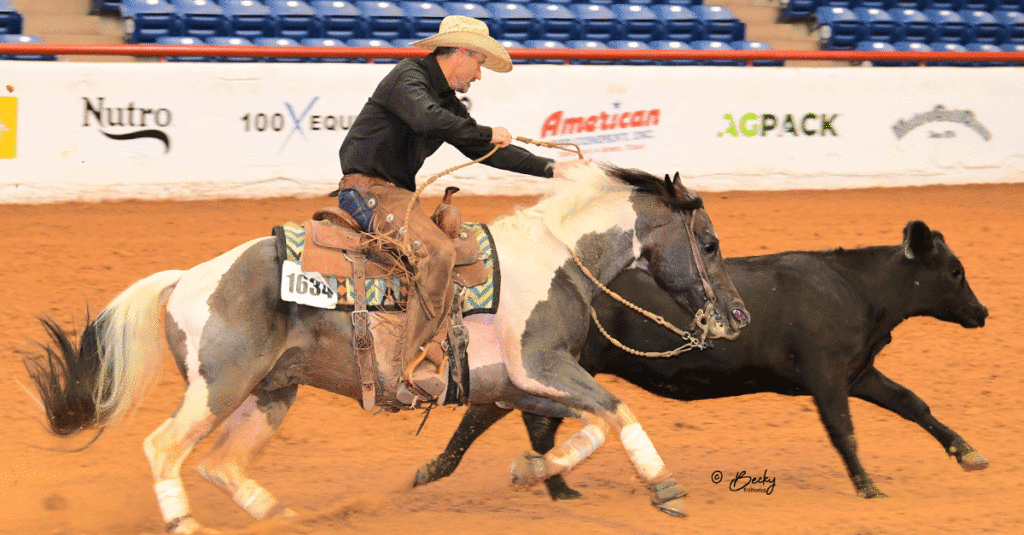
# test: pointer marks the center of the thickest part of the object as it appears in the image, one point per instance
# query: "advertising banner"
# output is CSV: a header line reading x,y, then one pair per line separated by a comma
x,y
94,131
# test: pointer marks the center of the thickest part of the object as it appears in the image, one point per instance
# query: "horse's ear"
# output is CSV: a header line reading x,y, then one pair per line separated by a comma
x,y
668,184
678,181
917,240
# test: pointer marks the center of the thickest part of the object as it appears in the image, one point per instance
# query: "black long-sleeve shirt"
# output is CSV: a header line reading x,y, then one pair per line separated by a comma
x,y
410,114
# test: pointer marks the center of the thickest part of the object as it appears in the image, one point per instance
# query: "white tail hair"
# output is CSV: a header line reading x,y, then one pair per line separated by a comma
x,y
128,337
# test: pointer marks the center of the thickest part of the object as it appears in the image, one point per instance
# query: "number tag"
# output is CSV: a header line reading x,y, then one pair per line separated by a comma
x,y
307,288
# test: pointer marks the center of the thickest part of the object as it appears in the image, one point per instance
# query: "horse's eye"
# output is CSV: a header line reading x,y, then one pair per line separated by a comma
x,y
710,247
958,273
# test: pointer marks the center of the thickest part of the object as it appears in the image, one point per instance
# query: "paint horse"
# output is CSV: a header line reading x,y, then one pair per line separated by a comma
x,y
243,351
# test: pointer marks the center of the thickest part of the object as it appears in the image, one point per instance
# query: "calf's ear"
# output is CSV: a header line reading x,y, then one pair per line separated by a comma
x,y
917,240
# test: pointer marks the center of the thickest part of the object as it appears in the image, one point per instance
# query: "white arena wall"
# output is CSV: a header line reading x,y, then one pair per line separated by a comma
x,y
99,131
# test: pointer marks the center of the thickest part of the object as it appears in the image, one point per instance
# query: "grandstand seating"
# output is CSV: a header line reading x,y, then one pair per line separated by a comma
x,y
588,44
1013,26
294,19
911,25
469,9
985,47
667,44
545,44
982,27
11,22
877,24
248,19
384,20
555,21
947,26
182,40
678,23
796,10
839,28
636,23
370,42
717,23
339,19
200,18
710,44
275,42
146,20
230,41
24,38
757,45
424,17
325,42
511,20
597,22
626,44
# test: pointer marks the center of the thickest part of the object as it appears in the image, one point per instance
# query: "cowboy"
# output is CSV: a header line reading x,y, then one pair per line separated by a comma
x,y
411,113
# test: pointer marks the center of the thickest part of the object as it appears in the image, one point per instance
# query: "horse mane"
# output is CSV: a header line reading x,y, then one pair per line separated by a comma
x,y
585,184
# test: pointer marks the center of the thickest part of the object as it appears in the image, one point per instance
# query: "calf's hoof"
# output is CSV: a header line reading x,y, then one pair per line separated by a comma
x,y
668,498
527,471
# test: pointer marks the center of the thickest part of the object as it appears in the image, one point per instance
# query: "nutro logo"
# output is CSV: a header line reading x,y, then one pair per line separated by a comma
x,y
8,127
146,122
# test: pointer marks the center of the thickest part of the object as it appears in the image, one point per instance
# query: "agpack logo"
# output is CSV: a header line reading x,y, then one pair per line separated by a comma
x,y
8,127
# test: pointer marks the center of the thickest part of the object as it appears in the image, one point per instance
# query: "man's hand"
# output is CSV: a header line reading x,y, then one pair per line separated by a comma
x,y
561,168
500,136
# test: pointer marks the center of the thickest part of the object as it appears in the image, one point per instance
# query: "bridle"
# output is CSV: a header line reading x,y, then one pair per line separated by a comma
x,y
696,338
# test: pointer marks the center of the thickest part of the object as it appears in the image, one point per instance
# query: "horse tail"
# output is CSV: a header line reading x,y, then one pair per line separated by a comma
x,y
117,359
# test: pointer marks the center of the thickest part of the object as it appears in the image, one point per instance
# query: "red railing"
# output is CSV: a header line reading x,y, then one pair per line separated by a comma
x,y
567,55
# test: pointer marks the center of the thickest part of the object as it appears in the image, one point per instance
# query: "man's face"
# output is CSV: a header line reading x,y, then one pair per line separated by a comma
x,y
467,69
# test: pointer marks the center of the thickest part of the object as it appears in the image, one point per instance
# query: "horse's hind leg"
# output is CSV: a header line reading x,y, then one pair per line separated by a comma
x,y
242,437
168,446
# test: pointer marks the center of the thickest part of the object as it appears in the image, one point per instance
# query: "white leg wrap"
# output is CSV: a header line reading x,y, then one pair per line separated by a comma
x,y
578,447
171,497
254,499
641,451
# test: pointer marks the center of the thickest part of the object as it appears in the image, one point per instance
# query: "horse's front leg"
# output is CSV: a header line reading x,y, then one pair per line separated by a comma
x,y
478,419
875,387
542,431
556,376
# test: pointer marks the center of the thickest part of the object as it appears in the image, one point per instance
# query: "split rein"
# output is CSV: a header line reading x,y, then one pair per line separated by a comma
x,y
702,318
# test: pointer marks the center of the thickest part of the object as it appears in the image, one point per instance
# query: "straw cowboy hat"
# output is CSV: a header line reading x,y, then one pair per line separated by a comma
x,y
469,33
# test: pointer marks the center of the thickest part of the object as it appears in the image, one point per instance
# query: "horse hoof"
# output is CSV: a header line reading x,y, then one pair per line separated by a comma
x,y
668,498
189,526
870,493
973,461
527,471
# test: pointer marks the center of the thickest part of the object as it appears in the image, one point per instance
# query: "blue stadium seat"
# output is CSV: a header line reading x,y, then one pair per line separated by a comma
x,y
907,4
475,10
200,18
849,4
294,19
180,40
796,10
275,42
940,4
597,22
545,44
424,17
839,28
230,41
557,21
877,4
248,19
710,44
950,47
636,23
1006,5
627,44
678,23
369,42
687,3
99,7
339,19
11,22
947,26
911,25
146,20
985,47
757,45
668,44
511,20
877,24
878,46
14,38
911,46
588,44
982,5
384,20
1012,47
982,27
1013,26
717,23
326,42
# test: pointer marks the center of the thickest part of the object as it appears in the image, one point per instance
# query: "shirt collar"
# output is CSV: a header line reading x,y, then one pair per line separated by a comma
x,y
437,78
